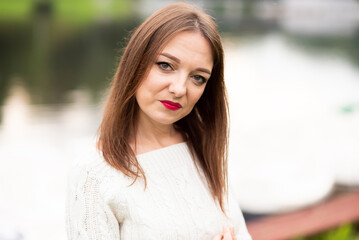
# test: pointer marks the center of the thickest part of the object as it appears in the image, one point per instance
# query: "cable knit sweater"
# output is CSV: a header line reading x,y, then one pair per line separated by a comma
x,y
177,204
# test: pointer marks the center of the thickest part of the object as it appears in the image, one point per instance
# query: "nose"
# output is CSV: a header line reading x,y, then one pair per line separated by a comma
x,y
178,85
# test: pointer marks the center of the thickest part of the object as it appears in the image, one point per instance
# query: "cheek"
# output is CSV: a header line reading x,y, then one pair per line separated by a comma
x,y
145,88
143,95
153,83
140,92
194,96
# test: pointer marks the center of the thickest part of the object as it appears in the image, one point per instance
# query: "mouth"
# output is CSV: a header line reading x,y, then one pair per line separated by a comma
x,y
171,105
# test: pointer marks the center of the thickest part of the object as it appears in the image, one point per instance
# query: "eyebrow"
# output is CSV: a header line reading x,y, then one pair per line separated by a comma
x,y
167,55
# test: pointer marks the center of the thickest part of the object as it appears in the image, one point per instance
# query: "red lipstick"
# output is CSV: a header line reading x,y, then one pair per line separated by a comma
x,y
171,105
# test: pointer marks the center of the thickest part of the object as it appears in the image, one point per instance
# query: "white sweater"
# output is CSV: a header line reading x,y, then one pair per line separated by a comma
x,y
177,204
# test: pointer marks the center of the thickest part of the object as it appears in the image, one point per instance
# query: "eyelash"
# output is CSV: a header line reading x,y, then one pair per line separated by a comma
x,y
202,81
161,66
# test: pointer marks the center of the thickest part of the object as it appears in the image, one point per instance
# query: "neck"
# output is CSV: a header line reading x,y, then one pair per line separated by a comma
x,y
152,135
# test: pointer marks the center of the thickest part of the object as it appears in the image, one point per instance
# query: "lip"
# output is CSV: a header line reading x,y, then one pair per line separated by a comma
x,y
171,105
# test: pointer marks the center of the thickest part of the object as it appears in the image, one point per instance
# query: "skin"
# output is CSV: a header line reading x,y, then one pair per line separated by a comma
x,y
227,234
179,74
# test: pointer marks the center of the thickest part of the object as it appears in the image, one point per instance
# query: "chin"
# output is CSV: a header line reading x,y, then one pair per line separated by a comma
x,y
167,121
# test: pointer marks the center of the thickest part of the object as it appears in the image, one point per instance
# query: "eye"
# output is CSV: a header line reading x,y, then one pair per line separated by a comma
x,y
199,79
164,66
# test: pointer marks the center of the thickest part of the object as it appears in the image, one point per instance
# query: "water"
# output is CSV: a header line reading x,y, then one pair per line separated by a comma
x,y
291,141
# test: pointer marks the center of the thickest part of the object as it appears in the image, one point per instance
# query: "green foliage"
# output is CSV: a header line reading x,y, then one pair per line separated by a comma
x,y
15,10
344,232
79,11
73,11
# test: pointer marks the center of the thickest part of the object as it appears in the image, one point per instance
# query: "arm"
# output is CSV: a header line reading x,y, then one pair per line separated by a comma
x,y
240,229
89,216
242,232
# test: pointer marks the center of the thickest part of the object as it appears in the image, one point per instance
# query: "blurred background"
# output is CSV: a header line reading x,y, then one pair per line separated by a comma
x,y
292,72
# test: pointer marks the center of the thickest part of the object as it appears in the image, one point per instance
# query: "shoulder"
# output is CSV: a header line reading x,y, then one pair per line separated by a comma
x,y
89,162
90,167
95,198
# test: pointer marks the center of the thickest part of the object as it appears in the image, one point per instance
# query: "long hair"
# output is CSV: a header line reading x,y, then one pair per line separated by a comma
x,y
206,127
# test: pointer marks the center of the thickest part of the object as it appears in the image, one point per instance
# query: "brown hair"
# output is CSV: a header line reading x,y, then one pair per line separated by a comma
x,y
206,127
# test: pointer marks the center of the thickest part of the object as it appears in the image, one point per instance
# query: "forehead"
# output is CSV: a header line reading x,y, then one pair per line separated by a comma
x,y
191,46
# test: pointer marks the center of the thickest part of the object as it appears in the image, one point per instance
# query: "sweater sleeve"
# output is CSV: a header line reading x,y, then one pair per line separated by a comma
x,y
89,213
241,231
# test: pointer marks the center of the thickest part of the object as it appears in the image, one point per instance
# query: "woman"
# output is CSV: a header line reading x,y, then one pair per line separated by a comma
x,y
161,172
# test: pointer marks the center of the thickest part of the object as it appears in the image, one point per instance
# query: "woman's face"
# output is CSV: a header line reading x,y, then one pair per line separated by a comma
x,y
176,79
